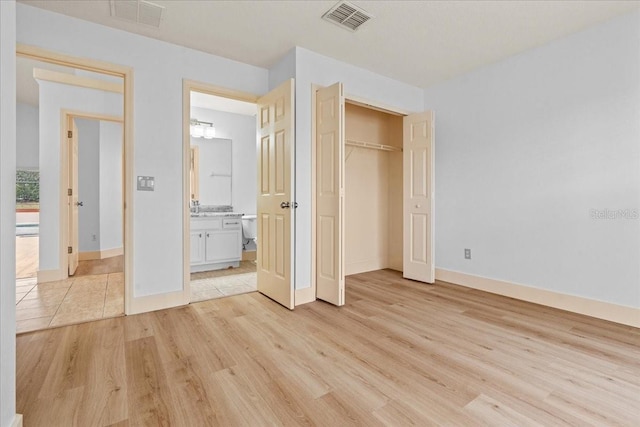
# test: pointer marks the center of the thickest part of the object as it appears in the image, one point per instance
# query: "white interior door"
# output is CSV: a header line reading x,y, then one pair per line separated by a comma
x,y
330,194
418,207
275,194
72,198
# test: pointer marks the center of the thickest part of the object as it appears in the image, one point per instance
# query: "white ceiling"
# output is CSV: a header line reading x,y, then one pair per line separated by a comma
x,y
418,42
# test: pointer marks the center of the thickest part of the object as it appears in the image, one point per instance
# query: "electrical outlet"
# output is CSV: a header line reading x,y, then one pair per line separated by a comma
x,y
93,237
467,254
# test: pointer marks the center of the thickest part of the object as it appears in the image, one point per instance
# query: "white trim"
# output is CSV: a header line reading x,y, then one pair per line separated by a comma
x,y
102,254
305,295
17,421
358,267
599,309
158,302
51,275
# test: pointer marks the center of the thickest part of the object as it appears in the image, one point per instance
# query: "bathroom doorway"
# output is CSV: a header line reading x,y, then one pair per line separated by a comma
x,y
222,195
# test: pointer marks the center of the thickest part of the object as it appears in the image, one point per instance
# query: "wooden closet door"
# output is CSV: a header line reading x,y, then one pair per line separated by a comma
x,y
330,194
418,204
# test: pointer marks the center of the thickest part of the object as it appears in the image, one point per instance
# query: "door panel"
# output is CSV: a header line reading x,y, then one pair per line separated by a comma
x,y
73,198
275,201
418,207
330,194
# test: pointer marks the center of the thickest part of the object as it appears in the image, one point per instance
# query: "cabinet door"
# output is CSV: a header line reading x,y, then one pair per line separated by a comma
x,y
223,246
197,247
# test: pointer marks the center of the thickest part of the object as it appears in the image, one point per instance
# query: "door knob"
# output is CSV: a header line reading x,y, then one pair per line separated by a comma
x,y
285,205
79,204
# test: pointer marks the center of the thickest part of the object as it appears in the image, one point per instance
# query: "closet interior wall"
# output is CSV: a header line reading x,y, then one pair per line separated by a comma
x,y
373,191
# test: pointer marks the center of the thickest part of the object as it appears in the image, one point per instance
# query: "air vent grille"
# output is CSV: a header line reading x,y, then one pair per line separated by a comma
x,y
138,11
347,15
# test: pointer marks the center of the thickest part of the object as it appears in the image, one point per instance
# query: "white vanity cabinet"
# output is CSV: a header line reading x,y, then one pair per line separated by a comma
x,y
216,242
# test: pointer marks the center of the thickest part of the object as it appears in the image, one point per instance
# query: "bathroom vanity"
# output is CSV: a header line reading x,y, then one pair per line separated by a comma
x,y
216,241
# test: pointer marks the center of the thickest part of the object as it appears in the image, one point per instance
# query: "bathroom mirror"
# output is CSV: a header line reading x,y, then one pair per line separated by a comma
x,y
211,171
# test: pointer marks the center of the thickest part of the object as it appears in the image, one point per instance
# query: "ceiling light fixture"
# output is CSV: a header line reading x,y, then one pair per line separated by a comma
x,y
198,129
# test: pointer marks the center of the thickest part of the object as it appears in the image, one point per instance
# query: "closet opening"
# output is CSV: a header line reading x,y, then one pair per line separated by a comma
x,y
373,190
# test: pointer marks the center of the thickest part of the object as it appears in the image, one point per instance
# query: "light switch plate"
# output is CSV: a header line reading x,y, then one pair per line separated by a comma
x,y
146,183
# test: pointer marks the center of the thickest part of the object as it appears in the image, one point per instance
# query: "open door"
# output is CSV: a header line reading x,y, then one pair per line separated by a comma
x,y
330,194
72,199
275,196
418,208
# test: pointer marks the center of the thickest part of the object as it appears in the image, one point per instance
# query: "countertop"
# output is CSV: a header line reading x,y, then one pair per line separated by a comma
x,y
216,215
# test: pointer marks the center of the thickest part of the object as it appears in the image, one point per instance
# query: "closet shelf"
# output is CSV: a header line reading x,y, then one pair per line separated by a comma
x,y
371,145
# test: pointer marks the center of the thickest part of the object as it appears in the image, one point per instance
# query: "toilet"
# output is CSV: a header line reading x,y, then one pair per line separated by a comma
x,y
249,228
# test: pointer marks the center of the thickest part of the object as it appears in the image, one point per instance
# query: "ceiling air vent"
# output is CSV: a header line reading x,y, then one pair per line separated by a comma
x,y
347,15
138,11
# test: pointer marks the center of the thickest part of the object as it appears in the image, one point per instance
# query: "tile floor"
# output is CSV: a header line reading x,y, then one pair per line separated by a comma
x,y
224,286
68,301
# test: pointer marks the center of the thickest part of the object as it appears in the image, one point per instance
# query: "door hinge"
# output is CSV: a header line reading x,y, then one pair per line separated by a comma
x,y
69,134
69,250
69,192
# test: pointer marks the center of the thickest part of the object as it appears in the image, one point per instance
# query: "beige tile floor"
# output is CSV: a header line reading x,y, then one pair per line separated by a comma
x,y
68,301
224,286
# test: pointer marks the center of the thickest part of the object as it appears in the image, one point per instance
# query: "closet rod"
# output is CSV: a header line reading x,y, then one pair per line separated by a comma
x,y
372,145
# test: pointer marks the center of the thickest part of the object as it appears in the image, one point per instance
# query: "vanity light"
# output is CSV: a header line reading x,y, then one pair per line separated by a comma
x,y
209,132
198,129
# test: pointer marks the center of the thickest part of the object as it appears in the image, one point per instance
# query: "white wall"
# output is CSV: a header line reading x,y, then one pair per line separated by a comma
x,y
27,137
88,184
283,70
526,148
53,98
111,226
7,212
158,72
241,130
314,68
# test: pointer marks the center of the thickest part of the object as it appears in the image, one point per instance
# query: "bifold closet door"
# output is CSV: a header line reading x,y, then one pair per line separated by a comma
x,y
330,194
275,198
418,188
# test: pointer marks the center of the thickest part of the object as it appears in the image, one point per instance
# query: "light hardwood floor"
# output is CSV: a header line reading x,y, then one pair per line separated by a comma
x,y
398,353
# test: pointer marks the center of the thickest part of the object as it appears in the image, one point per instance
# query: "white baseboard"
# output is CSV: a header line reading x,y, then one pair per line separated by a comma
x,y
17,421
304,296
156,302
51,275
364,266
599,309
102,254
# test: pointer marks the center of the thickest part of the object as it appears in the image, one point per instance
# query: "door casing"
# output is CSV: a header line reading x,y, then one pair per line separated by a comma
x,y
126,73
187,87
67,118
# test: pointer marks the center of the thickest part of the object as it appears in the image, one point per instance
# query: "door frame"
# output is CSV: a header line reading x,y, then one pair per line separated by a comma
x,y
310,293
126,73
187,87
66,116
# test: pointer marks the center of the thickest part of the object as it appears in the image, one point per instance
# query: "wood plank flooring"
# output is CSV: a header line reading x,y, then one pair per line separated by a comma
x,y
398,353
